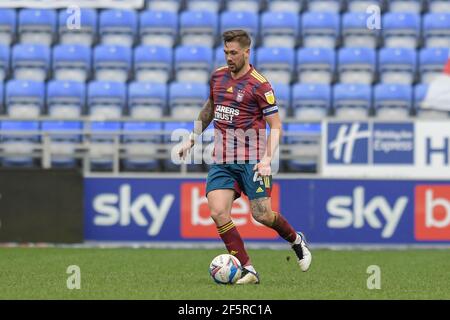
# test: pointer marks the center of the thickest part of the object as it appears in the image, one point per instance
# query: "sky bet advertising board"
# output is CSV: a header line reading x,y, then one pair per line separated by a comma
x,y
330,211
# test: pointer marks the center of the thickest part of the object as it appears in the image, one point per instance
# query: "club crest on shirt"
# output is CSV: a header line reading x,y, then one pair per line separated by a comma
x,y
270,98
240,95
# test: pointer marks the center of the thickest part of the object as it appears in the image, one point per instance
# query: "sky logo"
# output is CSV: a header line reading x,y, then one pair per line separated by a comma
x,y
348,143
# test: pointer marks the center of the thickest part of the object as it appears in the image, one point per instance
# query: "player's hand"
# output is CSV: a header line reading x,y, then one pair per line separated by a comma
x,y
263,167
185,149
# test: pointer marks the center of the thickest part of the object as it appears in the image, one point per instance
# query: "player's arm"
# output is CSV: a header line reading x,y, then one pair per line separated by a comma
x,y
273,140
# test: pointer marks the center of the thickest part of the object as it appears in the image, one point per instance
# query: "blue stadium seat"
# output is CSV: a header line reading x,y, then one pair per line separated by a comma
x,y
397,65
204,5
316,65
77,28
320,29
153,63
4,62
2,96
219,57
141,149
352,101
37,26
187,99
412,6
118,27
18,148
199,28
355,32
294,6
311,101
104,135
248,21
393,101
357,65
7,26
432,62
439,6
283,97
66,99
159,28
164,5
24,98
112,62
63,142
436,30
303,145
362,5
243,5
325,5
401,30
193,63
147,100
106,100
279,29
71,62
30,62
276,64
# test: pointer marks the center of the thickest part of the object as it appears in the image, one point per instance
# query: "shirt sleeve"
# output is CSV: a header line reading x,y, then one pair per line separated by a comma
x,y
211,84
265,98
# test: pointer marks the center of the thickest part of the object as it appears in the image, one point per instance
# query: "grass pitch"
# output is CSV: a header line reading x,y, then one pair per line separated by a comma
x,y
166,274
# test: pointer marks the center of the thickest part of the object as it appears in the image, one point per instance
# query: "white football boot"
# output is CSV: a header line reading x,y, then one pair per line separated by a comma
x,y
248,277
302,252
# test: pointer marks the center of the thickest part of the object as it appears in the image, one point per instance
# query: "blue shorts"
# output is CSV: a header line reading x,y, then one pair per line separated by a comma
x,y
240,178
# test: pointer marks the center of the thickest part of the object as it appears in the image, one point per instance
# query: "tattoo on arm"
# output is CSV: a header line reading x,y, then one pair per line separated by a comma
x,y
206,116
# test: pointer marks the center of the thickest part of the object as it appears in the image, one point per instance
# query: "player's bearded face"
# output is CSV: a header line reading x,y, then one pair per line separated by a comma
x,y
236,56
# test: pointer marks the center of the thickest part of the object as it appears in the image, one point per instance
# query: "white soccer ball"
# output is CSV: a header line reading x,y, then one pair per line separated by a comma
x,y
225,269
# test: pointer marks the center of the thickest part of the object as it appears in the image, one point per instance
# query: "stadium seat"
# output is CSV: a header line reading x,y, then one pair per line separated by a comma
x,y
187,99
193,63
316,65
2,97
63,142
30,62
397,65
352,101
66,99
106,100
276,64
294,6
357,65
355,32
37,26
147,100
219,57
140,150
153,63
428,104
362,5
112,62
204,5
71,62
439,6
198,28
411,6
243,5
159,28
7,26
401,30
432,62
24,99
4,62
164,5
325,5
311,101
320,29
103,143
393,101
436,30
248,21
303,146
18,148
83,34
279,29
118,27
283,98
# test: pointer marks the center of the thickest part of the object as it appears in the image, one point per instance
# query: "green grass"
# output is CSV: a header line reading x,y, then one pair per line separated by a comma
x,y
40,273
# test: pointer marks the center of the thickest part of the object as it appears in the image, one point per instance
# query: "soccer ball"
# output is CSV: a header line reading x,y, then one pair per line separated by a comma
x,y
225,269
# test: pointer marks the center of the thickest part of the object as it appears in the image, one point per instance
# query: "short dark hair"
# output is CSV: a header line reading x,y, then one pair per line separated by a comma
x,y
240,36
